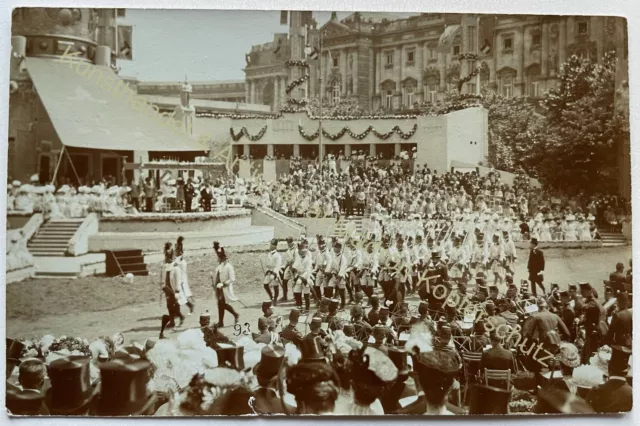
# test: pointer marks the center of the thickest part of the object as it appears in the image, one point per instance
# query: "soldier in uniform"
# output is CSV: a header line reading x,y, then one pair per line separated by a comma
x,y
577,301
225,277
362,329
594,322
323,309
368,270
402,318
263,335
267,314
496,259
420,255
353,268
339,273
302,277
436,275
332,317
379,335
290,257
315,331
479,255
273,265
323,261
384,257
290,332
373,317
404,267
567,314
494,294
457,260
510,253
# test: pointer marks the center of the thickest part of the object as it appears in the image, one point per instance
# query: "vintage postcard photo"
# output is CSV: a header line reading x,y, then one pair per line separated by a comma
x,y
296,212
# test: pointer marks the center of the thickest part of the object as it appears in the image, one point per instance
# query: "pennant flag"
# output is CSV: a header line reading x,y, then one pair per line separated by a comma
x,y
487,31
284,17
447,37
314,54
125,35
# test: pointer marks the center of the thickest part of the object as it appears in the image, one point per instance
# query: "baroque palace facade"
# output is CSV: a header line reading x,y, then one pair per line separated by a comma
x,y
395,65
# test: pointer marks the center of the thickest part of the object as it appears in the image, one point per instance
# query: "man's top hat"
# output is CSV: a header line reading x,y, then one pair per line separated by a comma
x,y
565,293
493,287
263,323
311,350
509,279
534,241
399,358
435,254
294,315
556,401
619,362
375,297
26,403
334,304
489,400
14,349
423,308
70,384
573,287
325,301
274,242
231,357
481,282
384,311
348,330
479,328
267,305
123,389
585,286
271,358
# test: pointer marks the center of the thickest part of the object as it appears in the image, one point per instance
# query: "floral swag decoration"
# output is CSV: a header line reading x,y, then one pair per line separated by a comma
x,y
244,132
299,81
361,136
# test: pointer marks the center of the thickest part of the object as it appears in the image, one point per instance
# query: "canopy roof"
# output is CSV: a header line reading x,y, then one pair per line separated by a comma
x,y
91,107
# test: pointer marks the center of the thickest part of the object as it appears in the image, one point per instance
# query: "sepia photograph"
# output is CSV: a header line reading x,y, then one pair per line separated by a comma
x,y
331,213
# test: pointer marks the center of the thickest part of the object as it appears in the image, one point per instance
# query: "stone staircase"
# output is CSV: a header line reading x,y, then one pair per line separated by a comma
x,y
613,239
52,239
341,228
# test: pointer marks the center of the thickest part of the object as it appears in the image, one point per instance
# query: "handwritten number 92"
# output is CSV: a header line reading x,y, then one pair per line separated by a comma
x,y
242,329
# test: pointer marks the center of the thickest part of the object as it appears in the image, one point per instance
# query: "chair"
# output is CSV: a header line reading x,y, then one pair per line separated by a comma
x,y
469,360
497,376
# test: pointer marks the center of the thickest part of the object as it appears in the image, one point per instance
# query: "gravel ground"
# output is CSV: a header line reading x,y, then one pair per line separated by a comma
x,y
94,306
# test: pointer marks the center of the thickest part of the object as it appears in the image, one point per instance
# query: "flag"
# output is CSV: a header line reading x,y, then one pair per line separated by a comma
x,y
125,35
487,29
284,17
314,54
446,38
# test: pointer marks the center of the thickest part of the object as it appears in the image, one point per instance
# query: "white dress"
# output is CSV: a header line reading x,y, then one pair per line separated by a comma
x,y
585,232
186,290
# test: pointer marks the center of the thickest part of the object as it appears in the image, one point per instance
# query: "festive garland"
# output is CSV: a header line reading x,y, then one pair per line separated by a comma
x,y
244,132
469,56
468,78
361,136
299,102
299,81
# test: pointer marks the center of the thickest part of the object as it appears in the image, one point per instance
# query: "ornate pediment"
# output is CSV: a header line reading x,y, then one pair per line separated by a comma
x,y
388,85
453,71
409,82
336,29
507,72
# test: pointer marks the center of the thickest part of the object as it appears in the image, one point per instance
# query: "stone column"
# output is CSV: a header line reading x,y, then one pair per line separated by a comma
x,y
397,67
283,93
372,149
296,150
419,68
544,53
324,75
347,150
270,150
355,72
442,65
562,42
246,149
343,72
276,94
397,149
252,89
247,91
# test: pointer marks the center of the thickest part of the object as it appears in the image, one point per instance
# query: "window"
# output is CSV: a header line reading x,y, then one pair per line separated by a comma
x,y
389,56
336,61
507,43
536,39
534,89
471,88
456,50
336,94
410,56
432,93
301,93
408,96
507,87
433,54
583,28
389,99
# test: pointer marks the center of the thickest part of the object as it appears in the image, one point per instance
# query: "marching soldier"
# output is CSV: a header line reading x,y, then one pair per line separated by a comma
x,y
273,266
338,271
323,309
368,270
303,277
420,255
479,256
353,268
225,277
404,267
510,253
496,259
290,257
457,260
323,261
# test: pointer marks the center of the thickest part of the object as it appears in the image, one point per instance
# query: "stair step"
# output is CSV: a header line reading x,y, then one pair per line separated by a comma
x,y
128,260
133,267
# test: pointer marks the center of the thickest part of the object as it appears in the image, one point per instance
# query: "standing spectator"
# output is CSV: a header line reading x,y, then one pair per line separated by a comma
x,y
536,267
180,194
189,192
135,194
149,195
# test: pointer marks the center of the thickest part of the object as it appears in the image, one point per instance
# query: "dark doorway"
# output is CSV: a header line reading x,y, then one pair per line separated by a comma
x,y
81,164
110,169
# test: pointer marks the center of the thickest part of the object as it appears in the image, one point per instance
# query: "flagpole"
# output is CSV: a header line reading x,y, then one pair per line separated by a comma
x,y
321,100
478,53
115,28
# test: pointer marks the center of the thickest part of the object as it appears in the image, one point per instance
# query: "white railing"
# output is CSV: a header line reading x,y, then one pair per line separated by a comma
x,y
79,243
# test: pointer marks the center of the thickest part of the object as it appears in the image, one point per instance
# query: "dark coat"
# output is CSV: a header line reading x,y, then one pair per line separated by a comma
x,y
614,396
291,333
621,329
497,359
536,261
546,328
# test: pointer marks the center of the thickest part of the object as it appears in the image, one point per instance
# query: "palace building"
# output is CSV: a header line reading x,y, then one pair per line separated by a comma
x,y
394,65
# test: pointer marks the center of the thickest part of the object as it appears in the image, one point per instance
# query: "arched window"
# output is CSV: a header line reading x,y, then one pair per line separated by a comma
x,y
534,89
